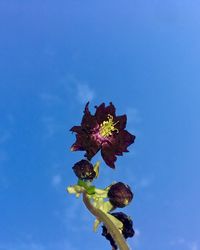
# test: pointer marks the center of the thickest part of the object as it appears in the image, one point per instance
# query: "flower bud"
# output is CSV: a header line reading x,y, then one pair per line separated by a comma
x,y
120,194
84,170
127,230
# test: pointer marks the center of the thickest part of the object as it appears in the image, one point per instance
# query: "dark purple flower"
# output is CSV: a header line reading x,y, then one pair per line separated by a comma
x,y
84,170
102,131
127,230
120,194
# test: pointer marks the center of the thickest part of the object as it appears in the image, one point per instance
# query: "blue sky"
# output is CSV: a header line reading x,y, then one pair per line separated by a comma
x,y
54,57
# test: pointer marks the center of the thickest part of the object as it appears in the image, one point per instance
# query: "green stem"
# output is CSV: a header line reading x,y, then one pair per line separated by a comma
x,y
100,215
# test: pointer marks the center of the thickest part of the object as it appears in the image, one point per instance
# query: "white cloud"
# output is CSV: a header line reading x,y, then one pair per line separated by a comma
x,y
177,241
51,126
31,245
22,246
72,89
193,246
56,180
75,217
84,93
189,245
139,182
145,182
137,232
136,239
81,90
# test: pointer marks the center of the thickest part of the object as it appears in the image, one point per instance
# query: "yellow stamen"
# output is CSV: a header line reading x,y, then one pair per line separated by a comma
x,y
107,127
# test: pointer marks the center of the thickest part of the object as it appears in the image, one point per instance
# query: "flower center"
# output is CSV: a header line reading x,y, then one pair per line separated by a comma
x,y
107,127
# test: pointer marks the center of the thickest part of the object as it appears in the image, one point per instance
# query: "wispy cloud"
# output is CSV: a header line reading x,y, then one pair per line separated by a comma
x,y
56,180
84,93
22,246
74,216
136,238
32,245
187,244
79,90
144,182
137,232
51,126
71,89
140,181
193,246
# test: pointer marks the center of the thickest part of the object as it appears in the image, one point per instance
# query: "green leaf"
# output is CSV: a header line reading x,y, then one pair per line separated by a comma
x,y
82,183
90,190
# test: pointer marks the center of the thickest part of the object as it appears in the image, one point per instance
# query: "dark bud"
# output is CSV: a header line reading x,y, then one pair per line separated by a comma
x,y
120,194
127,230
84,170
108,237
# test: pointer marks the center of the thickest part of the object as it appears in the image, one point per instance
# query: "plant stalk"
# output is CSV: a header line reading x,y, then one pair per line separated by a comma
x,y
101,216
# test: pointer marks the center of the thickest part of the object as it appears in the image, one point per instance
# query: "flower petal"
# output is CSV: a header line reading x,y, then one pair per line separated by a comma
x,y
110,109
102,112
108,154
89,138
91,147
120,122
79,143
122,141
84,142
76,129
88,121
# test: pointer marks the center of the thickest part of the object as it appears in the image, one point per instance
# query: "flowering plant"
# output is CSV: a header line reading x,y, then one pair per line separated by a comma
x,y
104,131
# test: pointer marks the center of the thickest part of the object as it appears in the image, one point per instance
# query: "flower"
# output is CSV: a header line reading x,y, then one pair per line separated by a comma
x,y
102,131
127,230
84,170
120,195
